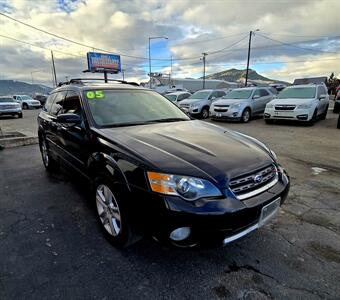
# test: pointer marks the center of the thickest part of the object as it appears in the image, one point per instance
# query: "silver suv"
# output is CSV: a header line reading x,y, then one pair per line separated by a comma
x,y
241,104
198,104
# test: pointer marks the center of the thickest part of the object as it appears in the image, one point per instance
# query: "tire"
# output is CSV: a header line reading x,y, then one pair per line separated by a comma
x,y
112,214
312,121
324,114
24,106
269,121
20,116
245,118
205,113
49,163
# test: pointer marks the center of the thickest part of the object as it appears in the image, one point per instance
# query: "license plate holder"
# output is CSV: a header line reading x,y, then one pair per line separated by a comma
x,y
268,211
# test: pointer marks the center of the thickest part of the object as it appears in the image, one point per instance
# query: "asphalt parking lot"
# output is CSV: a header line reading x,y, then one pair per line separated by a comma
x,y
51,246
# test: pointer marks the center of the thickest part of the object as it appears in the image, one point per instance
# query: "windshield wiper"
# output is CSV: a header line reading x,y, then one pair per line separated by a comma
x,y
168,120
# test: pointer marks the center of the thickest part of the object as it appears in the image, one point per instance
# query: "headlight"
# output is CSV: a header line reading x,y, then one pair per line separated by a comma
x,y
305,106
269,105
235,106
194,106
189,188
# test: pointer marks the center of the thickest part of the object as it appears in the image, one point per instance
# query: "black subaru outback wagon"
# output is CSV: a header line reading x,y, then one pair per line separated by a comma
x,y
154,171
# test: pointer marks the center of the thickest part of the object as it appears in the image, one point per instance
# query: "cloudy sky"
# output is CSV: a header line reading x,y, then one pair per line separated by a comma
x,y
296,39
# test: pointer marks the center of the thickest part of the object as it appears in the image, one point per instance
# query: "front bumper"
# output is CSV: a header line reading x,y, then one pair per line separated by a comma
x,y
34,105
10,111
229,115
212,222
296,114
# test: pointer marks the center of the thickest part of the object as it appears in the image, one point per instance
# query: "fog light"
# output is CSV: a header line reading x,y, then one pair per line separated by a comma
x,y
235,114
180,234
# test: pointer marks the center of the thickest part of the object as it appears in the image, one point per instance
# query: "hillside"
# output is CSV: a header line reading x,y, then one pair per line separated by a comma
x,y
10,87
236,75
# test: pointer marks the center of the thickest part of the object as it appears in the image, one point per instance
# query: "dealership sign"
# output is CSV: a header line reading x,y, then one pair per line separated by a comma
x,y
100,62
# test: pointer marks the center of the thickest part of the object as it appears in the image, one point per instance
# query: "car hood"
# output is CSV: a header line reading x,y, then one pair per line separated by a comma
x,y
292,101
193,148
192,100
229,101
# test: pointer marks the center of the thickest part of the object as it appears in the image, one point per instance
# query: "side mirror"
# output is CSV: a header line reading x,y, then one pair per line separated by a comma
x,y
256,96
69,118
322,97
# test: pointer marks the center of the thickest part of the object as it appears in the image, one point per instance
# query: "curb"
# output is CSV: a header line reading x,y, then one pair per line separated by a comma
x,y
18,141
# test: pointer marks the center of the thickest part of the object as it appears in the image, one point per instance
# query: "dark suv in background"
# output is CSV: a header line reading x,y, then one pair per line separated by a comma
x,y
156,171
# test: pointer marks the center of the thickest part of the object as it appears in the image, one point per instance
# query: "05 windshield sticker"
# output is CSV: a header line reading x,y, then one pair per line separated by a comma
x,y
95,95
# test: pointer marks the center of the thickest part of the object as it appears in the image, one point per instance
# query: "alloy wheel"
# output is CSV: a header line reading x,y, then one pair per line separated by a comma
x,y
108,210
44,153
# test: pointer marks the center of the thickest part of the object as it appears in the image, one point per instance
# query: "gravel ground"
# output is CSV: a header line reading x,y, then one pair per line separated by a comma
x,y
51,246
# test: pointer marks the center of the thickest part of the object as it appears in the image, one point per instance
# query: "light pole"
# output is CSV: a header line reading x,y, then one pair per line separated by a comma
x,y
153,38
249,45
37,71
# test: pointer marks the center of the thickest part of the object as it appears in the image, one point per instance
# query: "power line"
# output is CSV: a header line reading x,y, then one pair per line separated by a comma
x,y
293,45
89,46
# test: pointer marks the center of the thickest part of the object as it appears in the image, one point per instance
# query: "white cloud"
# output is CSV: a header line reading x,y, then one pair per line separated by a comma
x,y
124,27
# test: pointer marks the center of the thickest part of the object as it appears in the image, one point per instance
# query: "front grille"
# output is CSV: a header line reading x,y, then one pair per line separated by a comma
x,y
221,108
253,183
285,107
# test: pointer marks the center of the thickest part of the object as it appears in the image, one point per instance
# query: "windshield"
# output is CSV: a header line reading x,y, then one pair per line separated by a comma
x,y
171,97
200,95
238,94
297,92
26,98
3,100
131,107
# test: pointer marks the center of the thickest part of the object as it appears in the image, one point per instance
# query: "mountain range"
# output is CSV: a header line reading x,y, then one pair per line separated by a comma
x,y
12,87
235,75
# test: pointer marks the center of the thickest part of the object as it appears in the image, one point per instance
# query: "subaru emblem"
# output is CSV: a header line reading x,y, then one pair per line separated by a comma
x,y
257,178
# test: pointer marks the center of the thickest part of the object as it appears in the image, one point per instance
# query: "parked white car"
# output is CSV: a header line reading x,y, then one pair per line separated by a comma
x,y
241,104
299,102
9,107
176,97
26,101
198,104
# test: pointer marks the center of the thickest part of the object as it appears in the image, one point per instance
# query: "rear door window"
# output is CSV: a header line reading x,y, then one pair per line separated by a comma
x,y
58,103
263,93
49,102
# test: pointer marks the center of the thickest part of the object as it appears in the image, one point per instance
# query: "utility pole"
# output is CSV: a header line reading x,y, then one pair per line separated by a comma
x,y
53,70
203,58
123,70
249,47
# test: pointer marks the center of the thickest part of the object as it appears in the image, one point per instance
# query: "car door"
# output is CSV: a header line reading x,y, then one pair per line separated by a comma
x,y
320,101
73,137
52,136
265,97
256,102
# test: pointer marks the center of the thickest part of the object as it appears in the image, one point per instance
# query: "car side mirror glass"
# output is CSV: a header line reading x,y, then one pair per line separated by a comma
x,y
69,118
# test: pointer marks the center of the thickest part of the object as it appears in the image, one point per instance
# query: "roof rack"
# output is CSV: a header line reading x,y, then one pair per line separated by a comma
x,y
81,81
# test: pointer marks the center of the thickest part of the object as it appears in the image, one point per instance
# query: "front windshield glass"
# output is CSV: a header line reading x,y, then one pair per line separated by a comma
x,y
131,107
171,97
200,95
3,100
238,94
26,98
297,92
